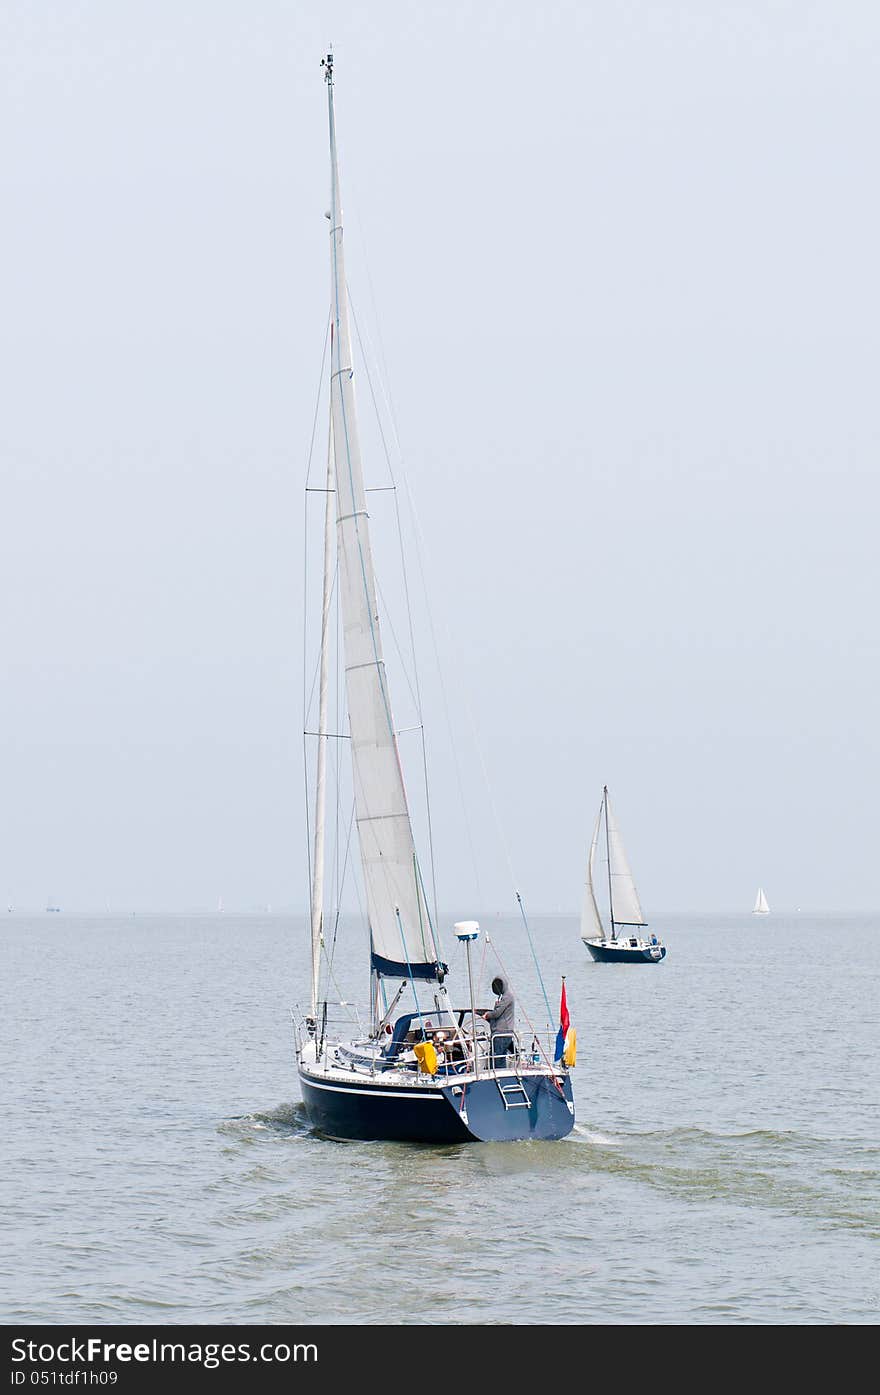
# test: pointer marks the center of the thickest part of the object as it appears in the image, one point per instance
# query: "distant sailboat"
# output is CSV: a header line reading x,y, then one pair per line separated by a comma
x,y
50,905
220,904
761,907
624,909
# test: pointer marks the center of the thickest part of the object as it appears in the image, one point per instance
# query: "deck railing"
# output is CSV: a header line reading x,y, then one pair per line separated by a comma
x,y
455,1046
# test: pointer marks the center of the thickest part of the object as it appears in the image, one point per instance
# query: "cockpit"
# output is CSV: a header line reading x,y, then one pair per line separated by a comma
x,y
451,1034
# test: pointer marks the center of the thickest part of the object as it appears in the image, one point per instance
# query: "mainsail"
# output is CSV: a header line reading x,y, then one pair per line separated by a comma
x,y
761,906
625,908
402,937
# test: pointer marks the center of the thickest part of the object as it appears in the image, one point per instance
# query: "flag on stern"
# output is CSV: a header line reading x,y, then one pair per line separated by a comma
x,y
564,1024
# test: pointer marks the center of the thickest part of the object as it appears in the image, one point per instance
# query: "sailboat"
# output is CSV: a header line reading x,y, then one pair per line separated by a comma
x,y
624,909
761,906
432,1073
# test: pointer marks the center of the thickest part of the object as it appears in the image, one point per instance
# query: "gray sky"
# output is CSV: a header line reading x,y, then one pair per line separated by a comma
x,y
623,262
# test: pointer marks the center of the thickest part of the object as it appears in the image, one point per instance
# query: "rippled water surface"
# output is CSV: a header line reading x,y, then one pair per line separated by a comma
x,y
725,1166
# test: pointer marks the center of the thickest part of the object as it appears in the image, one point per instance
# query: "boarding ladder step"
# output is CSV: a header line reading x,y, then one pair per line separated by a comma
x,y
513,1093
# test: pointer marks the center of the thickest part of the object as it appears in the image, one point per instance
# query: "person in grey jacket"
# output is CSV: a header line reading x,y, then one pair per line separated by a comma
x,y
501,1019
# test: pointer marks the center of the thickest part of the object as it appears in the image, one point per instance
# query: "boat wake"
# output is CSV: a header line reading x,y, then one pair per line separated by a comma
x,y
284,1121
592,1136
785,1171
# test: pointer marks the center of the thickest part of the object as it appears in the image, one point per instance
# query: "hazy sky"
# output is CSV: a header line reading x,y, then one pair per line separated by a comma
x,y
623,261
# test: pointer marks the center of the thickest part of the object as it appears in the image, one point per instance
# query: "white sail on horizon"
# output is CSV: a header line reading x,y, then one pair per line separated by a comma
x,y
761,905
624,905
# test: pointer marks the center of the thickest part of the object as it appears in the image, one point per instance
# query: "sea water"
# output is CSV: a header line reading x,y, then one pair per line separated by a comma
x,y
724,1168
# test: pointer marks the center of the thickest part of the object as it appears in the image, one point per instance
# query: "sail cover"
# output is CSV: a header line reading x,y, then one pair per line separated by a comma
x,y
402,937
591,921
625,898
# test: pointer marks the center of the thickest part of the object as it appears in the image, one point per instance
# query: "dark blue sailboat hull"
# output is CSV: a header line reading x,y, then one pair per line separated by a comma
x,y
476,1112
625,954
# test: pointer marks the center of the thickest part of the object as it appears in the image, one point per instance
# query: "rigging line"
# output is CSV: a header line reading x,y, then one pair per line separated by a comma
x,y
483,959
308,705
362,242
308,817
306,594
330,955
468,710
338,898
386,614
533,1031
608,857
522,911
420,548
409,613
430,830
341,401
318,397
346,442
338,763
421,714
305,698
336,775
412,982
368,595
393,420
382,366
392,486
366,364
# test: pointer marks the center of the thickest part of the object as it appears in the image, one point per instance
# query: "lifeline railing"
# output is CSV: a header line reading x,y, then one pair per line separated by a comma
x,y
331,1017
457,1043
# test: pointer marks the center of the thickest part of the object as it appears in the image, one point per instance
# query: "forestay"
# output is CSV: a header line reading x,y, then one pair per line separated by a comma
x,y
401,933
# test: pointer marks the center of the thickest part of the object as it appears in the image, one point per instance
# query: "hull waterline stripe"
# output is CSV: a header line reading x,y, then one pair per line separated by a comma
x,y
368,1092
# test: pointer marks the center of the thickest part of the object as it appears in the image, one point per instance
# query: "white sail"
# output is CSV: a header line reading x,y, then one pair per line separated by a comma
x,y
402,936
591,921
624,897
761,906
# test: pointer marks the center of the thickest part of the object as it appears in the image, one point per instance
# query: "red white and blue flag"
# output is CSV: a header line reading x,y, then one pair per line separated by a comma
x,y
564,1024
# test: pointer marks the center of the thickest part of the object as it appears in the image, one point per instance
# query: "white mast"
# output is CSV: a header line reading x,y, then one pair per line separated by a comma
x,y
400,928
321,765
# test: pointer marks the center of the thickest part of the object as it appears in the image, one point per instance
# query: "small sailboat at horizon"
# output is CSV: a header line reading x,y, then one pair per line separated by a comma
x,y
761,907
433,1072
624,908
